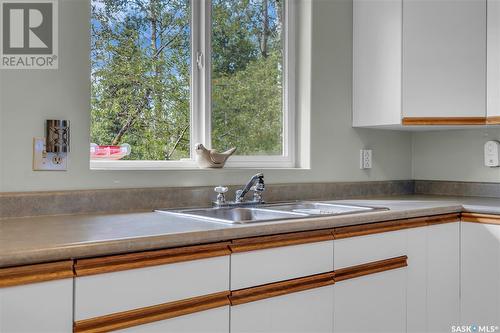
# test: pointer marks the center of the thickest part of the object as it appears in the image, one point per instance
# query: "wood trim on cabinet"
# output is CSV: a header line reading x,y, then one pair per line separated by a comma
x,y
379,227
493,120
122,262
481,218
443,121
15,276
370,268
121,320
253,294
267,242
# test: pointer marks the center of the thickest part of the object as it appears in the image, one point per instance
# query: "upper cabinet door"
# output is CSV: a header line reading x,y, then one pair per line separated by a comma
x,y
377,62
493,100
444,58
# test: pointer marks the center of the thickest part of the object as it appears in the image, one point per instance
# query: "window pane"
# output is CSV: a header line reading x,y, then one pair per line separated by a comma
x,y
247,76
140,59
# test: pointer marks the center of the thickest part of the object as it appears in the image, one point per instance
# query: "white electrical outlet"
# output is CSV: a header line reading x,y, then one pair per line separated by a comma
x,y
365,159
43,161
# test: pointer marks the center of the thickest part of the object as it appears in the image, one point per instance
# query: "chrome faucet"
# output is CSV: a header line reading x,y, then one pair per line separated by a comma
x,y
255,184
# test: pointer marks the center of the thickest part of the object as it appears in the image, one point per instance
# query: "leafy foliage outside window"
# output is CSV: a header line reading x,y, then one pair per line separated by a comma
x,y
141,65
247,76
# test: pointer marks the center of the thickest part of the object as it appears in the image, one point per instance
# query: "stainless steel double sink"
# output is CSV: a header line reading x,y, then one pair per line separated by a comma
x,y
270,212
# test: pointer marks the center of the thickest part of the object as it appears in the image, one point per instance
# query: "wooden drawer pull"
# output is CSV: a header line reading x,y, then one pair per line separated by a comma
x,y
379,227
14,276
370,268
481,218
267,242
121,320
122,262
281,288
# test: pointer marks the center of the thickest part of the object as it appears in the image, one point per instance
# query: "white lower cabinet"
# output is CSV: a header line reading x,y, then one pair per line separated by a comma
x,y
210,321
423,297
309,311
45,307
443,277
480,285
433,288
371,303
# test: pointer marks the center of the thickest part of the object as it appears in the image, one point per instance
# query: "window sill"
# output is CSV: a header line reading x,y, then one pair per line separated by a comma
x,y
187,165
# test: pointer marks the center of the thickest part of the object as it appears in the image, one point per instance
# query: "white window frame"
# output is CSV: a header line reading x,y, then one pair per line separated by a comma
x,y
201,104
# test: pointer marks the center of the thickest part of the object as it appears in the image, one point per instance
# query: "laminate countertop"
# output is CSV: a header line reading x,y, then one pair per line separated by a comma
x,y
52,238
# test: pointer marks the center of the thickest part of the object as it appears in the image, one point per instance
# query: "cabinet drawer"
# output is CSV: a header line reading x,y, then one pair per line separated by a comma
x,y
210,321
37,298
359,250
251,266
371,303
306,311
44,307
108,293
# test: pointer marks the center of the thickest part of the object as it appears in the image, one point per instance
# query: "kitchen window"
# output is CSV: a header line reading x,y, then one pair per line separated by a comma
x,y
167,74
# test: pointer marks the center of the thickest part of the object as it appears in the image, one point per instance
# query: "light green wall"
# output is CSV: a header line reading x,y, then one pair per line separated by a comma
x,y
30,97
455,155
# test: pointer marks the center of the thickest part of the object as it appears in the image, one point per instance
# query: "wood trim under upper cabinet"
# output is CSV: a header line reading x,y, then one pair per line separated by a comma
x,y
370,268
481,218
443,121
493,120
14,276
122,262
379,227
266,242
121,320
281,288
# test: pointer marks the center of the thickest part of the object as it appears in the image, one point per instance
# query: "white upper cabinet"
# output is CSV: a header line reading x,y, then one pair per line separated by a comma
x,y
419,63
493,82
444,58
377,62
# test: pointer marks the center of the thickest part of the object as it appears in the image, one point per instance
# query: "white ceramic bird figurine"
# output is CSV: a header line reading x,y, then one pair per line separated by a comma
x,y
211,158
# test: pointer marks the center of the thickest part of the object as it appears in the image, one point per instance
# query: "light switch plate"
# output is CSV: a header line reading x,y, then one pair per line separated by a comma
x,y
43,161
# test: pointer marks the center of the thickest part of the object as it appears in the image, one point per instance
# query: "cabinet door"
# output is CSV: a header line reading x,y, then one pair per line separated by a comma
x,y
45,307
493,61
480,288
443,277
308,311
377,62
433,278
371,303
444,58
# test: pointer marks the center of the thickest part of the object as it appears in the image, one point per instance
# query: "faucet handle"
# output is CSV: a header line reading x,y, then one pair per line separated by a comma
x,y
258,189
221,199
221,189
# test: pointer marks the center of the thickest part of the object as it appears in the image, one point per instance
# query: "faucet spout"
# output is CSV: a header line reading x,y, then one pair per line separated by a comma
x,y
257,180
